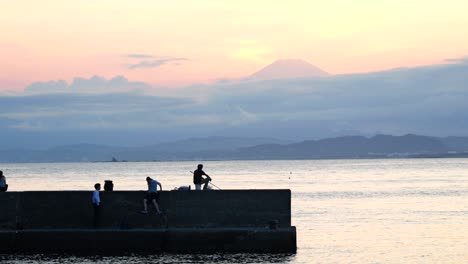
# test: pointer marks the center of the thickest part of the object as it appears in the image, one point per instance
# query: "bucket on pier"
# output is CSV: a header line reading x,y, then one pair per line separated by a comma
x,y
108,186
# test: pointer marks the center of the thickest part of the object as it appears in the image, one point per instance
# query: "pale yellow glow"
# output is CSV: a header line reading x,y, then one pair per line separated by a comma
x,y
252,53
56,39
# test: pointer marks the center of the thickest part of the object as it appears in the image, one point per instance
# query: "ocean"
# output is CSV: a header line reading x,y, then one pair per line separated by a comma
x,y
345,211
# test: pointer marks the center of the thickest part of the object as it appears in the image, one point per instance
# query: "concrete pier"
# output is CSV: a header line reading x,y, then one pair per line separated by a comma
x,y
194,221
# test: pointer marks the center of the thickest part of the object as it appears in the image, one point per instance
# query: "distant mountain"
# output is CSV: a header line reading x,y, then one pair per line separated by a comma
x,y
176,150
456,143
221,148
290,68
348,147
214,143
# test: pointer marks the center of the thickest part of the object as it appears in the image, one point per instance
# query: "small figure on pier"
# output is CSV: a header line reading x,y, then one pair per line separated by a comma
x,y
96,205
198,179
152,195
3,184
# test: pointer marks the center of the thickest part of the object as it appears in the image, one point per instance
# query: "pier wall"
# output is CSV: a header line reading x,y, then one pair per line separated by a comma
x,y
192,221
121,209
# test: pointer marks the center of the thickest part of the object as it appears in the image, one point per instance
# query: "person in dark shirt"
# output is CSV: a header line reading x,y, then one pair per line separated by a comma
x,y
198,179
3,184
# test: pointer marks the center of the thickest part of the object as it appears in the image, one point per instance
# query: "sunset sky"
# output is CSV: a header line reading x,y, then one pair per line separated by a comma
x,y
178,43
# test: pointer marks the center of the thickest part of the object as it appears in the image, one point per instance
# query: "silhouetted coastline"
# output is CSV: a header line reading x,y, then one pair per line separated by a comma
x,y
348,147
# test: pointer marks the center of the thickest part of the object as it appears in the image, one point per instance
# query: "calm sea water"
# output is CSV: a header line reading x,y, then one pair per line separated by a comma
x,y
345,211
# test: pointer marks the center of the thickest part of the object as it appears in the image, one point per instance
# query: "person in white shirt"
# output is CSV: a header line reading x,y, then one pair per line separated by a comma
x,y
152,195
96,205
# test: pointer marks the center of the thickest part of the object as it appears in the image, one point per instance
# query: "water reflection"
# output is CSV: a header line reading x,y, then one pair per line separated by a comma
x,y
161,258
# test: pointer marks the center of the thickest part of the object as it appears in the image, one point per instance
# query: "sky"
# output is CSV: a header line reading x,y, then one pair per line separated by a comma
x,y
181,43
427,100
143,72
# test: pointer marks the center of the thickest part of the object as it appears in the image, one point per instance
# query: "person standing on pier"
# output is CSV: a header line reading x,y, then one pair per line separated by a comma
x,y
152,195
198,179
96,205
3,184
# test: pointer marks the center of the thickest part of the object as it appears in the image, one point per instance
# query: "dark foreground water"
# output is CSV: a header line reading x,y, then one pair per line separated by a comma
x,y
345,211
164,258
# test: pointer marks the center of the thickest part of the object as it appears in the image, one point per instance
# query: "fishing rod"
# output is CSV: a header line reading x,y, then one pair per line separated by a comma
x,y
214,185
209,182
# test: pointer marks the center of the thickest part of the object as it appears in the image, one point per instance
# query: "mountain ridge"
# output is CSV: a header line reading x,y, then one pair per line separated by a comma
x,y
346,147
288,68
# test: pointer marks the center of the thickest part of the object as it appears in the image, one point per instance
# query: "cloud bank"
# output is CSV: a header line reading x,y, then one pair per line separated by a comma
x,y
428,100
95,84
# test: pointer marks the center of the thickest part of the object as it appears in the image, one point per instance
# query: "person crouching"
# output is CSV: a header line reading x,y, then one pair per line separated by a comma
x,y
152,195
